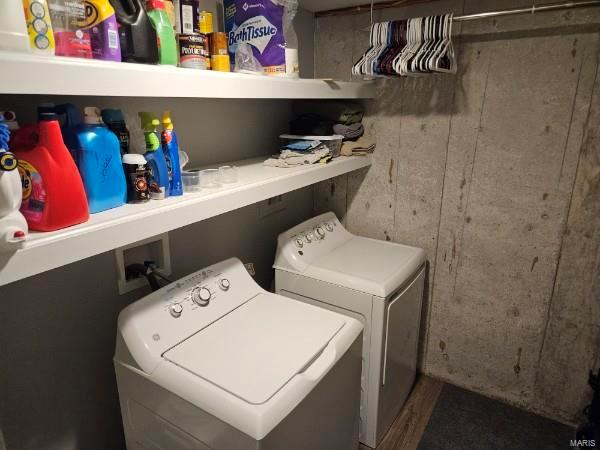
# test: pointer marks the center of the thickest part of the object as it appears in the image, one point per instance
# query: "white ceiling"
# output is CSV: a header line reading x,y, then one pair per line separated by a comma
x,y
325,5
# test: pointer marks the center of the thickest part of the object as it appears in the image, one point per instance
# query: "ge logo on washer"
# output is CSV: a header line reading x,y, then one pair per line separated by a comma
x,y
156,337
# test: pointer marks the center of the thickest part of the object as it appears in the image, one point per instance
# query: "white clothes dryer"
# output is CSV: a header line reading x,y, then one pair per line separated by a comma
x,y
213,361
380,284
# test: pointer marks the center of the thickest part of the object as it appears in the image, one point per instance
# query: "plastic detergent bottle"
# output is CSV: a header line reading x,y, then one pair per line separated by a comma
x,y
167,45
115,121
39,27
170,148
159,173
100,164
101,23
13,226
52,190
71,124
136,33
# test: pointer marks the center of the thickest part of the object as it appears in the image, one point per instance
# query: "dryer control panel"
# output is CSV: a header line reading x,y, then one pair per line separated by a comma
x,y
299,246
163,319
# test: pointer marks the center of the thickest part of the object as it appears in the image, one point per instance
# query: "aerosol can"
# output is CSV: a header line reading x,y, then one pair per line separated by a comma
x,y
13,226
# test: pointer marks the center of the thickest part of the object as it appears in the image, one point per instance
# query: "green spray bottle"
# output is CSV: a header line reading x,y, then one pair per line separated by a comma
x,y
167,45
158,181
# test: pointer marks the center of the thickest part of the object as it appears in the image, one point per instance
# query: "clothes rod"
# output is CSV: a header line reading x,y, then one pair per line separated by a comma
x,y
529,10
360,9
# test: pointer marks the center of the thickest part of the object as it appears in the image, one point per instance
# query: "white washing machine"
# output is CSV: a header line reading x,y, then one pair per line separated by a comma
x,y
379,283
213,361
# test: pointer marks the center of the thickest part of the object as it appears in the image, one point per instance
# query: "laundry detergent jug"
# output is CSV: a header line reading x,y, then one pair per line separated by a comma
x,y
52,190
170,148
159,173
137,36
13,226
71,124
100,165
101,23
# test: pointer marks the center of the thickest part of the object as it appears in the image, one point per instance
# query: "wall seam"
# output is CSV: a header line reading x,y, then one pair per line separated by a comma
x,y
566,224
466,210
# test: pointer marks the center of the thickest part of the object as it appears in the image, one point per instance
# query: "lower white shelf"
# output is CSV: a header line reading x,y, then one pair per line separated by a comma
x,y
130,223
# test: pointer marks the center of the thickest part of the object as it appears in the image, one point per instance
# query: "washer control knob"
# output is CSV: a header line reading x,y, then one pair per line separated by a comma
x,y
299,243
329,226
176,309
320,232
224,284
308,238
201,296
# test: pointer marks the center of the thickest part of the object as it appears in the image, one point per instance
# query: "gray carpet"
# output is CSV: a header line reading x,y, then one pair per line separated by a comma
x,y
464,420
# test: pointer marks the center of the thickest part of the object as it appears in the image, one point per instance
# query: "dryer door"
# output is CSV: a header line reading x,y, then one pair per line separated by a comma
x,y
403,317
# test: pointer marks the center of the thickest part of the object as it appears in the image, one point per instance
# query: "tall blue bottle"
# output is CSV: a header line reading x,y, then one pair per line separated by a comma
x,y
170,148
158,183
99,162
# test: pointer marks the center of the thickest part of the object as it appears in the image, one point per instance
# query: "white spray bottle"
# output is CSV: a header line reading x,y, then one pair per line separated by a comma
x,y
13,226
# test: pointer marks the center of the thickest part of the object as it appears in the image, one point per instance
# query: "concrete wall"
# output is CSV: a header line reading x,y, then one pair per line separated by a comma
x,y
495,171
57,329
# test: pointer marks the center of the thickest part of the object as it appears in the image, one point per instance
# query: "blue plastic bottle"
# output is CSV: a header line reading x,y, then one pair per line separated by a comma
x,y
159,173
99,162
170,148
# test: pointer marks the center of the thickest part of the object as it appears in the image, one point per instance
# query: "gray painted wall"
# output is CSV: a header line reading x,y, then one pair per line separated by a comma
x,y
57,329
495,172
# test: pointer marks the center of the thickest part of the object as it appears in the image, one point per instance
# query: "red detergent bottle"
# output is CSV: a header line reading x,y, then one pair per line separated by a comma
x,y
53,193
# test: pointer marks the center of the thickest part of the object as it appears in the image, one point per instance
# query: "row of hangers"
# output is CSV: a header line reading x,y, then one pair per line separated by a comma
x,y
409,47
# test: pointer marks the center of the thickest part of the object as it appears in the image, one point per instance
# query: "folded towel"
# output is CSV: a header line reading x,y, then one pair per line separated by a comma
x,y
288,158
361,146
350,132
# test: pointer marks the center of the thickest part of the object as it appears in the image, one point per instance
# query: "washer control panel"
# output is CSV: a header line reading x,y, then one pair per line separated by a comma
x,y
170,315
304,243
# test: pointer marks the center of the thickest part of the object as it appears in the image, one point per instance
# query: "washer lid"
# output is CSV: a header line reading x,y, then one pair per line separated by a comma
x,y
256,349
368,265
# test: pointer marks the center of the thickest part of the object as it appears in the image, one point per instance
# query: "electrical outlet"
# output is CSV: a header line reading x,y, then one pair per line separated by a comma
x,y
154,249
272,206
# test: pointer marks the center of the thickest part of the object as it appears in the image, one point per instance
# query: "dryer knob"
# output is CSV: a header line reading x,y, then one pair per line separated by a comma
x,y
176,309
224,284
299,243
201,296
329,226
320,232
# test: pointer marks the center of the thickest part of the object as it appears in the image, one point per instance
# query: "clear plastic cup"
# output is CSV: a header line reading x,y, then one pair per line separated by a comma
x,y
228,174
210,179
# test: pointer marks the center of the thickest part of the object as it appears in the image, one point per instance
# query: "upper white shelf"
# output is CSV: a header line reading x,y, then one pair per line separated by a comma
x,y
131,223
23,73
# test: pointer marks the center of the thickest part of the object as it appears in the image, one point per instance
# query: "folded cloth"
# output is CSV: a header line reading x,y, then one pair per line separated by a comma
x,y
361,146
350,132
288,158
338,111
302,145
311,124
